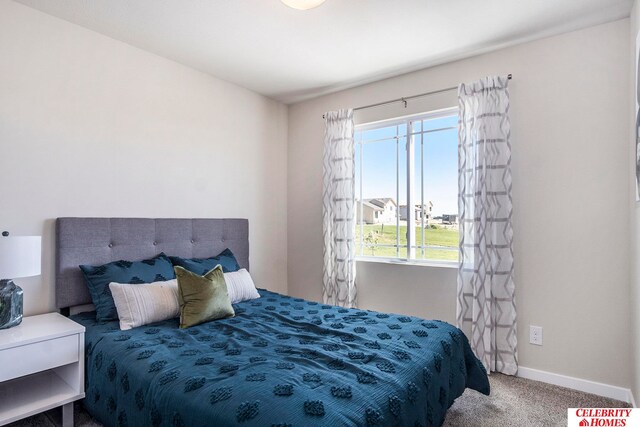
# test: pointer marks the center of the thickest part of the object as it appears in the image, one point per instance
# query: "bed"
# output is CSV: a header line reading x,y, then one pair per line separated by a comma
x,y
281,361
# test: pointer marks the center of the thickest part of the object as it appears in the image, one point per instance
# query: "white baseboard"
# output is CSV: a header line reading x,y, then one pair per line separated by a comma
x,y
605,390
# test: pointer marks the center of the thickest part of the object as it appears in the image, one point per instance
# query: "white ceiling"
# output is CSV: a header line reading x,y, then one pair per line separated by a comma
x,y
291,55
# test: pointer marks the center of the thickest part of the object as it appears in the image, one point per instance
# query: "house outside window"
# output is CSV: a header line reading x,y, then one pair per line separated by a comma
x,y
406,188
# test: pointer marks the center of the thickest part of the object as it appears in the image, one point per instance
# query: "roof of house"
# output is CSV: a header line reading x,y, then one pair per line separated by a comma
x,y
372,206
380,202
428,203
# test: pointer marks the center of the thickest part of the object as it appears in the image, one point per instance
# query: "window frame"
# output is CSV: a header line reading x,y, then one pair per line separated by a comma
x,y
409,140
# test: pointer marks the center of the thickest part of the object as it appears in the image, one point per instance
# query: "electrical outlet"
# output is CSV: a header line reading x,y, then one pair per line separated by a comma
x,y
535,335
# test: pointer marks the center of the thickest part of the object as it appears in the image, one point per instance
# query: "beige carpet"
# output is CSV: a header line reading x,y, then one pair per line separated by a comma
x,y
520,402
513,402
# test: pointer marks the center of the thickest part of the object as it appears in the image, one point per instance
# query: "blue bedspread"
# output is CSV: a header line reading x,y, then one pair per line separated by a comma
x,y
280,361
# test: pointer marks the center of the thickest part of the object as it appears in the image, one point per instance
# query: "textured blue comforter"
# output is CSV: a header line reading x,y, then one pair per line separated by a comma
x,y
280,362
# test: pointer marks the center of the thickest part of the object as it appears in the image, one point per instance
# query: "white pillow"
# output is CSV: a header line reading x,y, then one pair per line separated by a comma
x,y
142,304
240,286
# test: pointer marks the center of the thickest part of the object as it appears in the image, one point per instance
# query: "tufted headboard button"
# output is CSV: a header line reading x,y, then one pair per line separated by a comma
x,y
155,243
110,245
193,241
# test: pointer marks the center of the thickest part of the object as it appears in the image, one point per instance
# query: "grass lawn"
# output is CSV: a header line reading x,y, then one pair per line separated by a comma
x,y
386,235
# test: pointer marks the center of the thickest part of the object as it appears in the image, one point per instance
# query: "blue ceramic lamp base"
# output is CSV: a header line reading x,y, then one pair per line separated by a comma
x,y
10,304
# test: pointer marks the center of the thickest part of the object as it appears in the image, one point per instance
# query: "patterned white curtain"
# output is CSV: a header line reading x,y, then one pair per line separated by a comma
x,y
486,309
338,210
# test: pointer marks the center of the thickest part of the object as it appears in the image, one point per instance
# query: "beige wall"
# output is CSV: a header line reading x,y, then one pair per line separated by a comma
x,y
570,177
635,211
90,126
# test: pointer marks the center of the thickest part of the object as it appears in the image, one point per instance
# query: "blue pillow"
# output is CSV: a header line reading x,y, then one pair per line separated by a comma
x,y
202,266
99,276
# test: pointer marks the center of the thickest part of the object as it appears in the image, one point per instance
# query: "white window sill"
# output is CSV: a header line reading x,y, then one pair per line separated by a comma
x,y
397,261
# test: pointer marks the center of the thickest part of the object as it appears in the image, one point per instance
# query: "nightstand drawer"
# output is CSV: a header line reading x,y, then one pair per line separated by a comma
x,y
31,358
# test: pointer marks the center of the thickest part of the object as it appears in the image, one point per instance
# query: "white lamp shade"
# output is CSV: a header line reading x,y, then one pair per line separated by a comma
x,y
20,256
303,4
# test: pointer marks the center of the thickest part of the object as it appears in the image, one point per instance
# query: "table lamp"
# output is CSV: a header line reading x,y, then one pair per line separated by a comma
x,y
19,257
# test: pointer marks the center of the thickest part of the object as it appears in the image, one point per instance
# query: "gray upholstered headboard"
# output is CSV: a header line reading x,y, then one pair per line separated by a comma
x,y
97,241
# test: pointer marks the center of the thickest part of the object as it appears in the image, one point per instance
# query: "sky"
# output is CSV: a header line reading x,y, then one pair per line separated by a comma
x,y
379,161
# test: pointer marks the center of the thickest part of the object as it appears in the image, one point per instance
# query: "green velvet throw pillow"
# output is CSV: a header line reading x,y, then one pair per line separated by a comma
x,y
202,298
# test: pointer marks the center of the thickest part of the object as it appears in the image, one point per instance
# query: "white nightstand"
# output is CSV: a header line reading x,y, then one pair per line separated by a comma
x,y
41,367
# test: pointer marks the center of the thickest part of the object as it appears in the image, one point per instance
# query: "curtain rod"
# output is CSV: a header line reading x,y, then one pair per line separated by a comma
x,y
405,98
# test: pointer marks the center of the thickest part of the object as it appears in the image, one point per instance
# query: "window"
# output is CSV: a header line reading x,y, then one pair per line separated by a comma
x,y
407,187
